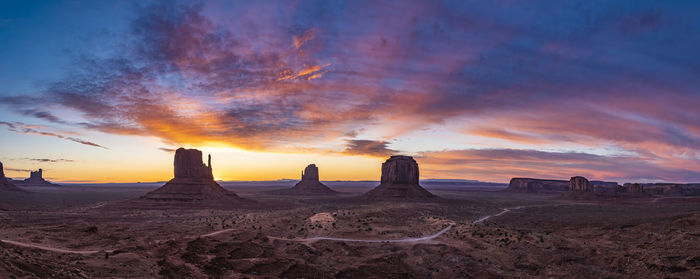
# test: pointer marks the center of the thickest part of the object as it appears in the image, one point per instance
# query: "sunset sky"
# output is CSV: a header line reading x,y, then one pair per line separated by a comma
x,y
103,91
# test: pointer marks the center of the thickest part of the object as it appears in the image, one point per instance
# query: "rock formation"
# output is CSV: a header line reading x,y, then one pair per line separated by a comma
x,y
36,178
665,189
309,185
193,183
532,185
635,188
6,185
580,184
399,181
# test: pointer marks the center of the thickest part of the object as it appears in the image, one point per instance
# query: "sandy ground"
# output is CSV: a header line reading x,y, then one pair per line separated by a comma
x,y
85,232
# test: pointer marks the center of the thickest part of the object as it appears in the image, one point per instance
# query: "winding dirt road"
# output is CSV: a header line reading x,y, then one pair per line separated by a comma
x,y
52,249
402,240
505,210
310,239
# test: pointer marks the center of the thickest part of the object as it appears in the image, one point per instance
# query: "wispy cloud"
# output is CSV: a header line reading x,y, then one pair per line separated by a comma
x,y
18,170
169,150
43,160
22,128
617,74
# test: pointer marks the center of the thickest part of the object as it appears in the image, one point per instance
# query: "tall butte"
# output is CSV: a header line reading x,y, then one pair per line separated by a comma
x,y
36,178
6,185
193,182
309,184
399,181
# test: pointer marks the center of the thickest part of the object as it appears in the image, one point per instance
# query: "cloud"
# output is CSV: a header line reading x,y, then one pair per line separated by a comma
x,y
369,147
18,170
503,164
619,75
49,160
169,150
305,36
22,128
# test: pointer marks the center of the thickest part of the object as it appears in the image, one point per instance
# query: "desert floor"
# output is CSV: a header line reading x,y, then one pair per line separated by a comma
x,y
86,231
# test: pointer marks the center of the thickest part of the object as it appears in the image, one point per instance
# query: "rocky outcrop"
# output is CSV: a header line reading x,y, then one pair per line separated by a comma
x,y
36,178
669,189
188,164
399,181
193,183
635,188
5,185
580,184
532,185
309,185
310,173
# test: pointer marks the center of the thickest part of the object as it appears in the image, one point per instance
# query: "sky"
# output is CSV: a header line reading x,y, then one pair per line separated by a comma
x,y
104,91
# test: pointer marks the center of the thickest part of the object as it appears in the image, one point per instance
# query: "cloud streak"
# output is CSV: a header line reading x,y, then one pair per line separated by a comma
x,y
22,128
620,75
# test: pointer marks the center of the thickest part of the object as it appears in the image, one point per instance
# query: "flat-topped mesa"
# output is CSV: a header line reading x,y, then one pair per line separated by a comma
x,y
310,173
188,164
533,185
664,188
580,184
399,180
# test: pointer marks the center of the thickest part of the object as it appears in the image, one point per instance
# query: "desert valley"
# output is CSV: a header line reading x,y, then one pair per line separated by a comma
x,y
349,139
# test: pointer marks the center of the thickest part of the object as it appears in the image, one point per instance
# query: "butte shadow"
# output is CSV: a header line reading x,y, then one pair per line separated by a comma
x,y
192,187
399,182
308,186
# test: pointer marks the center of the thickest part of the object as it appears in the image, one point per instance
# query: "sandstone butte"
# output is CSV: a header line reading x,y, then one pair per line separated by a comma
x,y
193,182
399,181
309,184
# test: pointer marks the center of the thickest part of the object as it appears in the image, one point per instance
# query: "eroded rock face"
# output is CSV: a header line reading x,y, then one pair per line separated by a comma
x,y
193,183
5,185
310,173
666,189
188,164
36,178
309,185
532,185
400,170
635,188
580,184
399,181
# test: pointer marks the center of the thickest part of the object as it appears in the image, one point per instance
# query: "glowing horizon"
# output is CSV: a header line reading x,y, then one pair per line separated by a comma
x,y
479,91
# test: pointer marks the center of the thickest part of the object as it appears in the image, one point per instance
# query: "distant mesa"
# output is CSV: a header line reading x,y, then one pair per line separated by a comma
x,y
634,188
670,189
193,183
309,185
6,186
399,181
581,188
533,185
36,178
580,184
